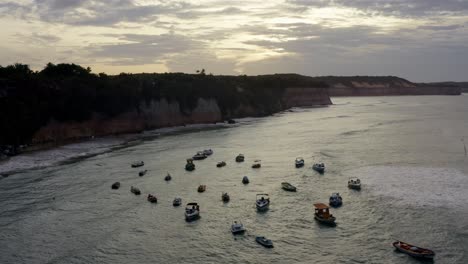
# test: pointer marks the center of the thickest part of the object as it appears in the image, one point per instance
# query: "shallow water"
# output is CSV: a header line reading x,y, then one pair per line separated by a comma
x,y
406,150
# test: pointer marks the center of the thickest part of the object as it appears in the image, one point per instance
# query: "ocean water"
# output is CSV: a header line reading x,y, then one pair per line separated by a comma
x,y
56,206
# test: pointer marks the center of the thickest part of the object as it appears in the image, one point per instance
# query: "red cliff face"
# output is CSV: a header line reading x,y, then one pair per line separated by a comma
x,y
299,97
153,115
161,113
375,87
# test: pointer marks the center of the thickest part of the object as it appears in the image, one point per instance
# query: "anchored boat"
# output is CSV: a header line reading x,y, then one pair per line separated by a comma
x,y
189,166
354,183
225,197
168,177
413,251
207,152
288,187
299,162
135,190
319,167
237,228
137,164
262,202
177,201
335,200
322,214
201,188
245,180
256,164
192,211
142,173
264,241
240,158
199,156
115,185
152,199
221,164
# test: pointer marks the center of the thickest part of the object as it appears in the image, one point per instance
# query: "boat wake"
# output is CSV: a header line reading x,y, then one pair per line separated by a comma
x,y
417,186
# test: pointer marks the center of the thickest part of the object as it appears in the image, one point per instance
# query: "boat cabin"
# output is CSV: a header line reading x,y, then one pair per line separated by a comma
x,y
322,210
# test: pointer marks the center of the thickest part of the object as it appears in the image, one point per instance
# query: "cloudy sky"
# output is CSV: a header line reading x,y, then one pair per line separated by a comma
x,y
422,40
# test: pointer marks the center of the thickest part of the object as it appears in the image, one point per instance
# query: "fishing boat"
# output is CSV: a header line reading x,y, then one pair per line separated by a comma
x,y
335,200
264,241
256,164
413,251
192,211
168,177
240,158
221,164
137,164
199,156
135,190
207,152
299,162
201,188
225,197
322,214
319,167
115,185
142,173
288,187
237,228
245,180
189,166
152,199
262,202
354,183
177,201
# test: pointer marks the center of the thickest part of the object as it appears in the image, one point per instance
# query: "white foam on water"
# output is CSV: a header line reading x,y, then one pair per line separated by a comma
x,y
54,156
416,186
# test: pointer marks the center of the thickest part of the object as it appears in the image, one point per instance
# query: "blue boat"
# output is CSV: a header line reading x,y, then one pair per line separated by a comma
x,y
335,200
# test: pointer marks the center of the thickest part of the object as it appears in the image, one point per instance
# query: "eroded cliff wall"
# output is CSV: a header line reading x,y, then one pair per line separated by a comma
x,y
381,86
163,113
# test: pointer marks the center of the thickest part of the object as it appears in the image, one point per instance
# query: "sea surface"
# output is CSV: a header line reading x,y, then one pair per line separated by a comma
x,y
56,206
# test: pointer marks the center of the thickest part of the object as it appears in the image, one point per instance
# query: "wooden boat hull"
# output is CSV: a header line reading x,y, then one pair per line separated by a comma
x,y
319,169
328,221
424,252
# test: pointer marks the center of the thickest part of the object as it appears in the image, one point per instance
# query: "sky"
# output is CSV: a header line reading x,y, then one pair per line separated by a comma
x,y
421,40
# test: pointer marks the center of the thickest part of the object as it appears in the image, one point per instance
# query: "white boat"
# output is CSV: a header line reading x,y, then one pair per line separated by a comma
x,y
262,202
177,201
237,228
199,156
137,164
207,152
299,162
192,211
354,183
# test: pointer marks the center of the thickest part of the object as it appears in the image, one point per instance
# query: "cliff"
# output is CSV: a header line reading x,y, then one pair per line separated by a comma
x,y
381,86
162,113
